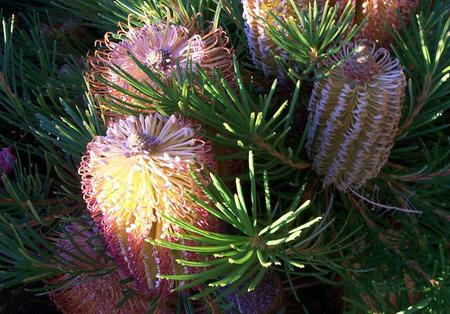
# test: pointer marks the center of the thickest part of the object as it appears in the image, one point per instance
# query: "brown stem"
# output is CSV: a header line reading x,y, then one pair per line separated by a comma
x,y
425,177
259,141
419,104
412,265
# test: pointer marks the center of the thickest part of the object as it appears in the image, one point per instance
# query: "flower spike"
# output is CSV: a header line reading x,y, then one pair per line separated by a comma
x,y
256,14
96,293
383,16
162,48
355,113
133,176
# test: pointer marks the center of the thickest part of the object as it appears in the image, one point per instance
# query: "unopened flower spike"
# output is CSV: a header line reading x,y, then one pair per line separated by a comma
x,y
355,113
133,176
162,48
86,293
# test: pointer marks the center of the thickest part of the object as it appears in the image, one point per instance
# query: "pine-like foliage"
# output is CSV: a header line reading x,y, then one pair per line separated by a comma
x,y
233,151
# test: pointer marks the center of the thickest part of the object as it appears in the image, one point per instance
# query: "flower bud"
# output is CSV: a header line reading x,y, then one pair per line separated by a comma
x,y
355,113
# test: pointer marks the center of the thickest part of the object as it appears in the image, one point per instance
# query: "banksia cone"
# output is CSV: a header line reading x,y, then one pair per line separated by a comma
x,y
161,48
91,294
355,113
134,175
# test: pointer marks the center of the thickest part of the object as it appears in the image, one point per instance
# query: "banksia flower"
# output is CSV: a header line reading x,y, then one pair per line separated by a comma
x,y
355,113
256,15
134,175
161,48
91,294
383,16
267,297
262,48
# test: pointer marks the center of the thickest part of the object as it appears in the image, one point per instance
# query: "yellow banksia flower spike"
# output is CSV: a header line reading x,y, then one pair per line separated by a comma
x,y
136,174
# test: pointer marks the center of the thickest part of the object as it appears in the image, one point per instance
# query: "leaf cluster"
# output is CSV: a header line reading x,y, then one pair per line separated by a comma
x,y
267,236
312,35
278,216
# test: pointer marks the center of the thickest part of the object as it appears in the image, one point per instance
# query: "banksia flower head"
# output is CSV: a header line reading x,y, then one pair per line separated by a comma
x,y
267,297
256,15
383,16
91,294
261,46
161,48
355,113
134,175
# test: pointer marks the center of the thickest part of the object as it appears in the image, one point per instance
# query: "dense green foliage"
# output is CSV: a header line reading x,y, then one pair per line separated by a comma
x,y
386,246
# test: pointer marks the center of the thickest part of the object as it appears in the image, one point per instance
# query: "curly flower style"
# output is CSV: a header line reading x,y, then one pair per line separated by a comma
x,y
134,175
91,294
162,48
355,113
382,17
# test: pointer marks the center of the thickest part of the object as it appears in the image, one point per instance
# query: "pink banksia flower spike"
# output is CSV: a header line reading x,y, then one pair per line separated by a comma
x,y
385,16
355,113
7,160
136,174
161,48
86,293
382,18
